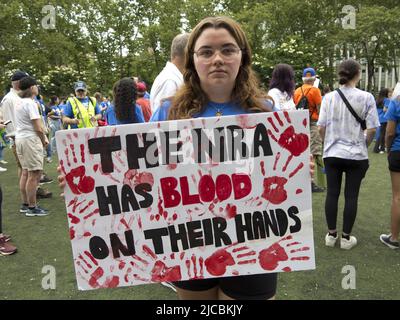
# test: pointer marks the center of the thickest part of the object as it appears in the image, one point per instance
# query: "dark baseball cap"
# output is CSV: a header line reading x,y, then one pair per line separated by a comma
x,y
80,85
27,82
18,75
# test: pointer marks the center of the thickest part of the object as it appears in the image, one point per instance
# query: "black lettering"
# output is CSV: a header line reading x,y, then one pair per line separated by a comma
x,y
219,225
208,232
261,139
282,221
135,151
242,228
105,147
156,236
98,248
144,189
258,225
270,223
292,211
194,235
105,200
128,198
175,236
236,143
117,246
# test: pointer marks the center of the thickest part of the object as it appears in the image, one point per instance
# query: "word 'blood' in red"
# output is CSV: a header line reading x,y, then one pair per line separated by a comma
x,y
223,186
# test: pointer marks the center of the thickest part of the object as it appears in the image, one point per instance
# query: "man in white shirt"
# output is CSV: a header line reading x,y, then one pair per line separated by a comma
x,y
170,78
7,108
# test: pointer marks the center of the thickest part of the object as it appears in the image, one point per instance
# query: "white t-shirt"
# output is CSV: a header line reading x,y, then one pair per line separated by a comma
x,y
7,107
165,85
26,110
344,137
282,100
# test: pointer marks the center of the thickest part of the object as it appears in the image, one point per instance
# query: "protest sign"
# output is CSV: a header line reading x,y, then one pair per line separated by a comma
x,y
188,199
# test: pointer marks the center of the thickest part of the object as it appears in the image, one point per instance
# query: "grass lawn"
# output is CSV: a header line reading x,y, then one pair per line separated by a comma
x,y
45,241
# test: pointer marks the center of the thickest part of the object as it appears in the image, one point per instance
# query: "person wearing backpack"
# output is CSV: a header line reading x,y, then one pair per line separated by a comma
x,y
81,111
309,97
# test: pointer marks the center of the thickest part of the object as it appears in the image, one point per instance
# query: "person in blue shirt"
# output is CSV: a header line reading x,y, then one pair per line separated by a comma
x,y
393,144
219,81
381,104
81,111
124,109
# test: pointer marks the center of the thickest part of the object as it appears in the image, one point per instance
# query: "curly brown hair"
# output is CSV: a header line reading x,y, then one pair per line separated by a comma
x,y
125,95
191,99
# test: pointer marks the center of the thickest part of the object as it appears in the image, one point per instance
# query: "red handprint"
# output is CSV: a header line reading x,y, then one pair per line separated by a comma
x,y
274,187
84,270
197,265
159,272
295,143
76,179
270,258
220,260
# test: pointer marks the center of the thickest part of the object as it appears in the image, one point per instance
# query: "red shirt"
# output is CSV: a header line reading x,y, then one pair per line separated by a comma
x,y
146,109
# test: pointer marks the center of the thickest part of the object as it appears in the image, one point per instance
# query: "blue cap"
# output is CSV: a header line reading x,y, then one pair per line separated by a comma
x,y
80,85
309,72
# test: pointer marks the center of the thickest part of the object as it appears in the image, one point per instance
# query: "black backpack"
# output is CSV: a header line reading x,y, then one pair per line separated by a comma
x,y
303,102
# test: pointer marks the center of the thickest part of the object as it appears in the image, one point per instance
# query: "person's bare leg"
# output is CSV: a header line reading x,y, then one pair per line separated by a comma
x,y
22,185
395,211
223,296
31,186
211,294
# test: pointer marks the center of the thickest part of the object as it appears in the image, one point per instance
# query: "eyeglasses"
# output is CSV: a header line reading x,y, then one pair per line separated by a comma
x,y
207,54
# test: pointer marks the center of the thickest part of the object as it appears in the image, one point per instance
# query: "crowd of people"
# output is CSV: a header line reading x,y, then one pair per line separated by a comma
x,y
210,74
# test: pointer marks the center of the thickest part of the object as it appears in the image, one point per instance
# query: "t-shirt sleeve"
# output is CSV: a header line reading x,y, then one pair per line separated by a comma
x,y
139,114
167,90
275,96
33,111
161,114
392,114
97,109
372,117
322,113
67,110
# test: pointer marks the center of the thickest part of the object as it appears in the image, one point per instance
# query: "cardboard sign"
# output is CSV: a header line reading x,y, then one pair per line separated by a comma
x,y
188,199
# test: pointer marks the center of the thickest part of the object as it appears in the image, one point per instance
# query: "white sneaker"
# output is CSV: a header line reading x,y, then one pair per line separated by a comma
x,y
348,244
3,161
2,169
330,241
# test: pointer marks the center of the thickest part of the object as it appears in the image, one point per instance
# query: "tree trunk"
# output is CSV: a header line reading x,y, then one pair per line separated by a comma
x,y
371,73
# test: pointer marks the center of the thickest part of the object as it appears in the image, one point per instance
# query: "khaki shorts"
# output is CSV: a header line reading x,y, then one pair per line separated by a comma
x,y
14,149
30,153
316,141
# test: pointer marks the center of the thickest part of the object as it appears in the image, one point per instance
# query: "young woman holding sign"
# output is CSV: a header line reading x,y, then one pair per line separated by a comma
x,y
218,81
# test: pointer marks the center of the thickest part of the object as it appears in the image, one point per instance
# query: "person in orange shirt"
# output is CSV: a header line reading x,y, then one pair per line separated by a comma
x,y
143,102
314,100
